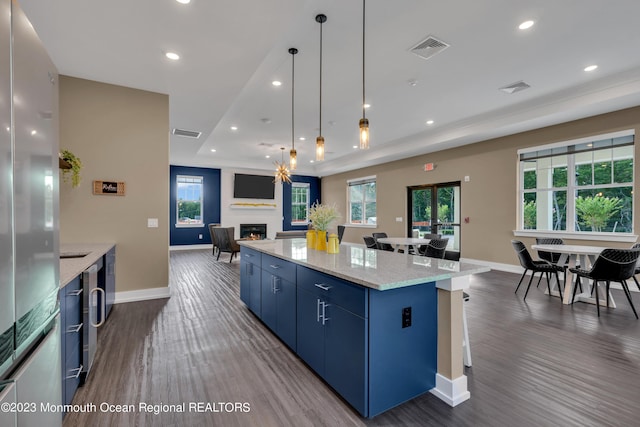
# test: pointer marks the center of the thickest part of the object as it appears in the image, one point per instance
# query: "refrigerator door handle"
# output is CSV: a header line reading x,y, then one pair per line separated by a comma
x,y
104,307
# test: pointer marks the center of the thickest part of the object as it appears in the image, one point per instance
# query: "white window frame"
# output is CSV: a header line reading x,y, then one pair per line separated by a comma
x,y
360,181
306,186
196,223
571,188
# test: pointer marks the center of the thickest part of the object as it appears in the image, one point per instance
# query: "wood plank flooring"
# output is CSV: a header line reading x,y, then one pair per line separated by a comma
x,y
535,363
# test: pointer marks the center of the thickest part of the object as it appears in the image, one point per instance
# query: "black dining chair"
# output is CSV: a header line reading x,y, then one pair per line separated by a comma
x,y
436,248
637,270
382,246
553,257
340,233
423,248
370,242
536,266
612,265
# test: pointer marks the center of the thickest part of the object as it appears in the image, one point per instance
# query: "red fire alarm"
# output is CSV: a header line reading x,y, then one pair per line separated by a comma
x,y
428,167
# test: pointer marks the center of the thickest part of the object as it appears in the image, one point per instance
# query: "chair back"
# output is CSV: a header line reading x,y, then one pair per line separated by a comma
x,y
436,248
212,234
431,236
523,255
370,242
615,264
340,233
382,246
225,239
552,257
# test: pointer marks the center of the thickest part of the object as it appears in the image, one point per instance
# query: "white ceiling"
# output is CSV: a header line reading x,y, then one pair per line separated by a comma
x,y
232,50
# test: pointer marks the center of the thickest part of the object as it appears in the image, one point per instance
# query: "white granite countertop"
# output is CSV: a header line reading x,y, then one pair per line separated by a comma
x,y
372,268
70,268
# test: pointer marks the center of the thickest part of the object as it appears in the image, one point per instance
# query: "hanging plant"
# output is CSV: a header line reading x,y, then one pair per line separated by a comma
x,y
73,173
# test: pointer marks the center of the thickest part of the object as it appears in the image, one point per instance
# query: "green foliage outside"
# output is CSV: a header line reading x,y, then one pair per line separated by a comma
x,y
596,211
188,211
530,215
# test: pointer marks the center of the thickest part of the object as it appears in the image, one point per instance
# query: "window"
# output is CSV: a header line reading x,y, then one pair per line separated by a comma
x,y
579,186
189,201
300,194
361,195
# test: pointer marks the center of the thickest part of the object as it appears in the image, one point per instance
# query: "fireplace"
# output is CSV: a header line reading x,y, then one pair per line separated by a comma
x,y
253,231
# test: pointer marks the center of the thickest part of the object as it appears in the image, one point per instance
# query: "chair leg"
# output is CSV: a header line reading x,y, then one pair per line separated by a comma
x,y
548,276
628,293
575,286
636,280
539,280
533,274
521,277
559,285
466,355
218,259
607,290
595,285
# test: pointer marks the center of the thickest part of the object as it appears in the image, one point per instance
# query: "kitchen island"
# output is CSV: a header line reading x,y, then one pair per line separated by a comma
x,y
380,328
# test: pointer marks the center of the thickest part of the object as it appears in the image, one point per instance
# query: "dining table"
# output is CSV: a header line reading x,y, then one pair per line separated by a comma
x,y
570,255
406,242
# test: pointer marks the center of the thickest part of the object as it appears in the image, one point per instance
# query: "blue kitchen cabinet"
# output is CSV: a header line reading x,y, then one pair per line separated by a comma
x,y
250,279
279,298
71,338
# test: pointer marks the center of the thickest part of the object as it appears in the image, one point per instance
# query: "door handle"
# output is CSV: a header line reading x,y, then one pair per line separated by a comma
x,y
324,313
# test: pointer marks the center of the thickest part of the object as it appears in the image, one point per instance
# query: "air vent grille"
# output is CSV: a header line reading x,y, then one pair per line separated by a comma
x,y
186,133
515,87
429,47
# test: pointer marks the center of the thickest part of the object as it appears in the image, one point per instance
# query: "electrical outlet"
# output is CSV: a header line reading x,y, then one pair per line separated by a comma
x,y
152,222
200,236
406,317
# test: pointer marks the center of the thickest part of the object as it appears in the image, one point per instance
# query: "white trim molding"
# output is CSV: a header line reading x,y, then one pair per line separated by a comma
x,y
142,295
190,247
452,392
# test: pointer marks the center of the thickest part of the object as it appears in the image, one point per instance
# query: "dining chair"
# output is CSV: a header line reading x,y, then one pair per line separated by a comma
x,y
226,241
340,233
423,248
637,270
553,257
382,246
436,248
370,242
536,266
612,265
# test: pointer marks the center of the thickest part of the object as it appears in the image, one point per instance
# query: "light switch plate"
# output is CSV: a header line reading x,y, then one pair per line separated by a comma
x,y
152,222
398,219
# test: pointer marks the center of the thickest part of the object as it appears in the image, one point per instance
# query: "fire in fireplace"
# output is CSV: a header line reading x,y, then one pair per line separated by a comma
x,y
253,231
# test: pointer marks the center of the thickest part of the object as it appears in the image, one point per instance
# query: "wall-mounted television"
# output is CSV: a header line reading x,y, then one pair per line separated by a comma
x,y
253,186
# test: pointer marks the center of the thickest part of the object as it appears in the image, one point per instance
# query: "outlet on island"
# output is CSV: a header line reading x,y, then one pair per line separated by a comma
x,y
200,236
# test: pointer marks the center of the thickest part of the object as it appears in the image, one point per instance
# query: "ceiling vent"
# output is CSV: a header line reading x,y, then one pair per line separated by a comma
x,y
429,47
186,133
515,87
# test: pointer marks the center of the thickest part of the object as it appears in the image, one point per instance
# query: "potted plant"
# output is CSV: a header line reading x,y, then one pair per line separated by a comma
x,y
321,216
71,173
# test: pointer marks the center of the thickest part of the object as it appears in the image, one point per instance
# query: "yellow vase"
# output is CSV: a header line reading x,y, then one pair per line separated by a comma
x,y
333,246
321,240
311,239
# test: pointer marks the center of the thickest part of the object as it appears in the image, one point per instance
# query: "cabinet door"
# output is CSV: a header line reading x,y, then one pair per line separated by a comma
x,y
310,333
245,288
345,361
286,311
255,297
269,307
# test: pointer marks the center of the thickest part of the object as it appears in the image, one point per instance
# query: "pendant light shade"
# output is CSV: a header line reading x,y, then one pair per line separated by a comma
x,y
293,154
364,122
321,19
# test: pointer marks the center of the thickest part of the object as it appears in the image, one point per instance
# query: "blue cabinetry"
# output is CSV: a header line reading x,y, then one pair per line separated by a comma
x,y
71,338
250,277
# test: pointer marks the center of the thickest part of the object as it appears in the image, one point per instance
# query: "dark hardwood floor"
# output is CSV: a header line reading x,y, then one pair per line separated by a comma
x,y
535,363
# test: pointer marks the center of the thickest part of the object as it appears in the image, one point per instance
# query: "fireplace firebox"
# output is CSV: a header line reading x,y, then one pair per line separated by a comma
x,y
253,231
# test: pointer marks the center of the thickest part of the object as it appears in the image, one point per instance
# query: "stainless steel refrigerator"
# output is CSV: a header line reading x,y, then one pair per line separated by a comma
x,y
29,265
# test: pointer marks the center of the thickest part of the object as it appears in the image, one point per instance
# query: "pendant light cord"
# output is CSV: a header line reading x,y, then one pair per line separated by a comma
x,y
363,20
320,78
293,86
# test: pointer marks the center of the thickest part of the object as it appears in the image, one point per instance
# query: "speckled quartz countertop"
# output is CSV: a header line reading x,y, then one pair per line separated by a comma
x,y
375,269
70,268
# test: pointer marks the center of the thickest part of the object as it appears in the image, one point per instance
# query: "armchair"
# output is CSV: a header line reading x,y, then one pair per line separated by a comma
x,y
225,241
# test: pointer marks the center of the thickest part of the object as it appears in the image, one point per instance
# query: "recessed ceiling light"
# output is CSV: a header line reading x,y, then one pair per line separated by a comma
x,y
526,24
310,161
367,105
302,138
355,146
172,55
33,132
276,83
213,150
234,128
429,122
591,68
412,82
267,156
184,1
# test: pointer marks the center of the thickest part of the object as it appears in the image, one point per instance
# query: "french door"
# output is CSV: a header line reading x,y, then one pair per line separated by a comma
x,y
435,209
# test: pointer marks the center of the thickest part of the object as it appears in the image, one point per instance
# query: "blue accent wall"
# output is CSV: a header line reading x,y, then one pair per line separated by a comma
x,y
314,190
211,196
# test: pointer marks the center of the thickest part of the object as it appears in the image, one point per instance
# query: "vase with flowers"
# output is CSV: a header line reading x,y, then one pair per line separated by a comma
x,y
321,216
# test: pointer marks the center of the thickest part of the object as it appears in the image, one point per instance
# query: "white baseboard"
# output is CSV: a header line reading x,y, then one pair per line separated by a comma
x,y
452,392
142,295
190,247
509,268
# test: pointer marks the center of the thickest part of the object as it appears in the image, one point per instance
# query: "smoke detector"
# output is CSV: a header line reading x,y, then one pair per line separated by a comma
x,y
429,47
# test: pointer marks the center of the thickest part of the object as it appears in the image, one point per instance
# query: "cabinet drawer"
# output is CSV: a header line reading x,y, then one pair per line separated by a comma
x,y
347,295
251,256
71,374
279,267
72,339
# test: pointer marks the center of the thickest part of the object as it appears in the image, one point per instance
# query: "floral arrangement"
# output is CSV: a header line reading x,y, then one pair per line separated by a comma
x,y
321,216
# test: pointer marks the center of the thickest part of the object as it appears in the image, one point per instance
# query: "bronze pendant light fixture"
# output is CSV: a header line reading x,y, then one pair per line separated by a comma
x,y
321,19
364,122
293,154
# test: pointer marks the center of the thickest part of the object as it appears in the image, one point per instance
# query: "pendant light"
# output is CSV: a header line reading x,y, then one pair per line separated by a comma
x,y
364,122
282,172
320,139
293,154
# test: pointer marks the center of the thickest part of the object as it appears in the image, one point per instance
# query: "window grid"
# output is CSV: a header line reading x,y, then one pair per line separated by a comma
x,y
300,195
362,196
189,200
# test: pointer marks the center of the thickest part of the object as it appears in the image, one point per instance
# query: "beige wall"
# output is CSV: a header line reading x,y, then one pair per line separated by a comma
x,y
488,199
120,134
